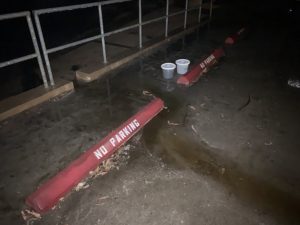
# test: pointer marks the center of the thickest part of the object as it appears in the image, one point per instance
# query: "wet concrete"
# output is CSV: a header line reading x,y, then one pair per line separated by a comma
x,y
231,158
180,151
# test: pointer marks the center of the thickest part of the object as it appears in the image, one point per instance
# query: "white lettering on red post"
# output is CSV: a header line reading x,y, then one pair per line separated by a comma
x,y
125,130
132,126
100,152
113,142
136,123
119,137
122,135
129,128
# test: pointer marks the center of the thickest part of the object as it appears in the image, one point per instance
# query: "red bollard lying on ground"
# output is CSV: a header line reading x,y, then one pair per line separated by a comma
x,y
48,194
232,39
197,71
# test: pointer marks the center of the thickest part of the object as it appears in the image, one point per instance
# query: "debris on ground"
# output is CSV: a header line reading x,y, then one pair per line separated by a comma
x,y
114,162
147,93
203,105
134,140
29,215
268,143
173,124
194,129
81,185
119,158
192,107
97,172
101,199
108,164
294,83
126,147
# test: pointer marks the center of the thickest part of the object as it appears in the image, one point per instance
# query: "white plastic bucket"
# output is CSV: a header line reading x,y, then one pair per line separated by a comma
x,y
168,70
182,65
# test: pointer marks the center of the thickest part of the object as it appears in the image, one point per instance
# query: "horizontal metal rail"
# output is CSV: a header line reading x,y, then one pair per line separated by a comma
x,y
193,8
80,6
17,60
73,44
154,20
177,13
103,34
37,53
65,8
14,15
121,30
83,41
114,1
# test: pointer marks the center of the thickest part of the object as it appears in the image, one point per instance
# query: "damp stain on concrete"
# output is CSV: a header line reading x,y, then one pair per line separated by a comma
x,y
179,150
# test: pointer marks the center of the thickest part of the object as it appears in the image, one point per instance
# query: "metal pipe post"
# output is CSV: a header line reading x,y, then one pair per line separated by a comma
x,y
167,18
185,13
200,11
44,49
140,24
210,10
37,50
102,33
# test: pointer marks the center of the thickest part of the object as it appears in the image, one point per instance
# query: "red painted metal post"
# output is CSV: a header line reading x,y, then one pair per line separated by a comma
x,y
197,71
48,194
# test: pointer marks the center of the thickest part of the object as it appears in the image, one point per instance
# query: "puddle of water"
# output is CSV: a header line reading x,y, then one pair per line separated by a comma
x,y
180,151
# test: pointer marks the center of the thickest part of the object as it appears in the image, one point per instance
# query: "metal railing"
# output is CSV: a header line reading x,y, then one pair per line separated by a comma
x,y
37,53
46,51
104,34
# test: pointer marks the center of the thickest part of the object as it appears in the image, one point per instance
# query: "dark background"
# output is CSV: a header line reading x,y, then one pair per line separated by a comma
x,y
58,28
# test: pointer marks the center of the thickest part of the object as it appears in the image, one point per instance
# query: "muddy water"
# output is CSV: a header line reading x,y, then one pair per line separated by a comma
x,y
179,150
